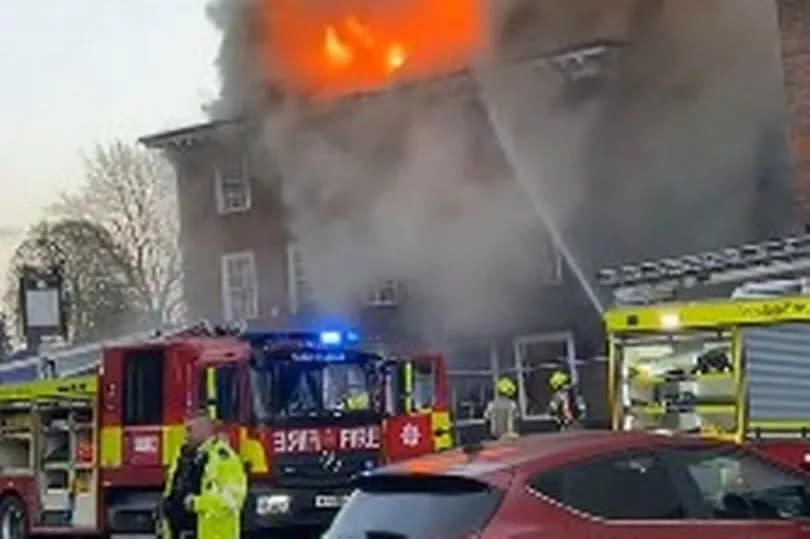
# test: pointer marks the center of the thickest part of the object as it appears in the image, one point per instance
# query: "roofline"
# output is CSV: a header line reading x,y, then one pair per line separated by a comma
x,y
185,136
455,81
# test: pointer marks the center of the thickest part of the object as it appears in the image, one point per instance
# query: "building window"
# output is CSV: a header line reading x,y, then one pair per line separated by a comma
x,y
470,392
385,296
239,286
588,62
537,357
552,272
233,187
298,288
301,295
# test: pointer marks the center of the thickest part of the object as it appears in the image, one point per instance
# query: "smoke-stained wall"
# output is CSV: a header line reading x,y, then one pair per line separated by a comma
x,y
689,149
794,20
679,145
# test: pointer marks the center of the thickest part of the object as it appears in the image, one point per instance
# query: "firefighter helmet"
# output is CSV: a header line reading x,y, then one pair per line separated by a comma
x,y
506,387
558,380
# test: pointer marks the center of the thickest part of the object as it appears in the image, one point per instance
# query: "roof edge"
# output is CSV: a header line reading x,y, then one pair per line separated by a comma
x,y
185,136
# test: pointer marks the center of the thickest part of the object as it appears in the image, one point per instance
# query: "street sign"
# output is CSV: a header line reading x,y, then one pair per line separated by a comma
x,y
41,307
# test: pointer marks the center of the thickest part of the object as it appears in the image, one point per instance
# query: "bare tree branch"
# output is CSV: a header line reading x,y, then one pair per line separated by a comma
x,y
129,192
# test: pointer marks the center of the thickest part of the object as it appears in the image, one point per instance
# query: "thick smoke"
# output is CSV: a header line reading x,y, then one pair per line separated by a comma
x,y
678,145
415,191
691,144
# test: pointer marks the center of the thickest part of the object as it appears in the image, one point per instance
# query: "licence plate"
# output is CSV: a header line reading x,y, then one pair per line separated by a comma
x,y
327,501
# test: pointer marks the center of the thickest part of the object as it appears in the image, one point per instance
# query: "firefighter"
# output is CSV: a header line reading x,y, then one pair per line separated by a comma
x,y
357,399
565,407
356,396
502,411
208,482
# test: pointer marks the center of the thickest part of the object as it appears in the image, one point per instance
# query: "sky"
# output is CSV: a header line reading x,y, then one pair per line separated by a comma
x,y
77,73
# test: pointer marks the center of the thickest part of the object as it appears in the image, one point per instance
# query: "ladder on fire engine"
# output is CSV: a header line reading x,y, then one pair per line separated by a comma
x,y
84,359
751,264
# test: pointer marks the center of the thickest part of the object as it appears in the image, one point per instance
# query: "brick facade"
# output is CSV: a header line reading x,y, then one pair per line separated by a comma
x,y
794,20
206,234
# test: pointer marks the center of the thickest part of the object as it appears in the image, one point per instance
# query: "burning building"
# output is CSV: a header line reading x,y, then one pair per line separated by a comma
x,y
452,172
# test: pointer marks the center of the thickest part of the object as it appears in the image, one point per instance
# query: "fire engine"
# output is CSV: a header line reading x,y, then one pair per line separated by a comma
x,y
736,368
87,454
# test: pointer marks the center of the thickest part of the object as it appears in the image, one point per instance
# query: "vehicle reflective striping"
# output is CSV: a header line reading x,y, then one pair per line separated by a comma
x,y
173,438
111,450
252,452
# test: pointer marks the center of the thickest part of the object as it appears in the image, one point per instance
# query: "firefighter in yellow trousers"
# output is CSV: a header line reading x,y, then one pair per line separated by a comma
x,y
206,487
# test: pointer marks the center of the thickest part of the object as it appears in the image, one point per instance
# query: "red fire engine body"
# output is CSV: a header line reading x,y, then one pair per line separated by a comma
x,y
88,455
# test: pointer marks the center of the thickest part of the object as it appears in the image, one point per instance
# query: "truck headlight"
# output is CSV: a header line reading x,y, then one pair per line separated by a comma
x,y
272,504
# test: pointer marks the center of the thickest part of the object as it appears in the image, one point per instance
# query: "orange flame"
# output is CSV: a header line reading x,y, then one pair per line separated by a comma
x,y
338,53
334,47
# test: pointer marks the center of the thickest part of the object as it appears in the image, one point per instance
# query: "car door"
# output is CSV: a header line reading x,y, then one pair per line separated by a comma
x,y
737,493
638,495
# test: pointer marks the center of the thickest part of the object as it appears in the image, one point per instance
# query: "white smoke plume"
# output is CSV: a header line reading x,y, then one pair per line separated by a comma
x,y
679,145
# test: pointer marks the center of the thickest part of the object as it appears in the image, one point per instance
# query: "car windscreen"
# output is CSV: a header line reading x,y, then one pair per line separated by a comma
x,y
416,507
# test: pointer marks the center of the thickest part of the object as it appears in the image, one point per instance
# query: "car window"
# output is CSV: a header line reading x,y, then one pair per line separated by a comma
x,y
739,485
628,487
416,508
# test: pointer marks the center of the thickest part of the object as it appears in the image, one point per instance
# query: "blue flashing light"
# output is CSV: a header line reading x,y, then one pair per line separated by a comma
x,y
352,336
331,338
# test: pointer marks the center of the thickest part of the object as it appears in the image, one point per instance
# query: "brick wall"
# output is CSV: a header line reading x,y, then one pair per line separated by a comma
x,y
794,20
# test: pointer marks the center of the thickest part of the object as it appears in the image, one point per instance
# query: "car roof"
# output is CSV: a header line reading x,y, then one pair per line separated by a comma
x,y
539,451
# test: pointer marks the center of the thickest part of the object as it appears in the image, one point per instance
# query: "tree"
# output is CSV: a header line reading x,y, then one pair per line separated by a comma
x,y
129,192
5,339
99,300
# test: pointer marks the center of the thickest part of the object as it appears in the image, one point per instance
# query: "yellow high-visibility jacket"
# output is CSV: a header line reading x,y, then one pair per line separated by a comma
x,y
357,401
223,491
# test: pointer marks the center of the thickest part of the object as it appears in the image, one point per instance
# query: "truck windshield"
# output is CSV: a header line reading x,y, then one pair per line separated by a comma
x,y
293,388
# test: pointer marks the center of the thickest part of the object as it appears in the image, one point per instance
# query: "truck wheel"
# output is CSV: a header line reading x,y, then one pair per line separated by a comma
x,y
12,519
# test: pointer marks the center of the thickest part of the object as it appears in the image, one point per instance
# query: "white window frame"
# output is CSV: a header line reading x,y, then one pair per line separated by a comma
x,y
227,304
584,62
492,374
519,347
297,284
219,185
486,375
556,278
387,295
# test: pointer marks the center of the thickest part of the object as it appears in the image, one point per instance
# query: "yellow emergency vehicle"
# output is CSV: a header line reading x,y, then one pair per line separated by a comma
x,y
735,368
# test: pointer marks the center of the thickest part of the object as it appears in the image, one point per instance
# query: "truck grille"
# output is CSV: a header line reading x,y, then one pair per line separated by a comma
x,y
328,468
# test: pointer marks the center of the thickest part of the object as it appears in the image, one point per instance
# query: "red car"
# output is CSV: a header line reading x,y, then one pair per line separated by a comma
x,y
605,485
